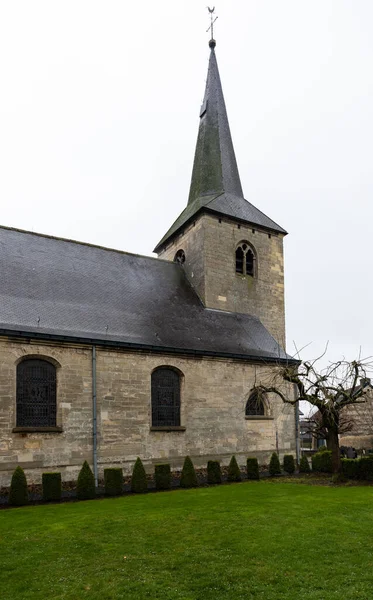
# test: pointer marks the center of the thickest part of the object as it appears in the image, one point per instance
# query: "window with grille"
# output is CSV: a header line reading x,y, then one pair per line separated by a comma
x,y
165,398
36,394
245,260
254,405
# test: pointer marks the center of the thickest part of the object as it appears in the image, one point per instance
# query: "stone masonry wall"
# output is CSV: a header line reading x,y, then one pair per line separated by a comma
x,y
213,397
210,246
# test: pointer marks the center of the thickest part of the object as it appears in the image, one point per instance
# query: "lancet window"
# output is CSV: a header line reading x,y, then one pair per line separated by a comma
x,y
245,259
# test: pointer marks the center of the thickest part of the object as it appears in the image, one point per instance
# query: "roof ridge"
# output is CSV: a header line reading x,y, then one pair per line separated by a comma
x,y
80,243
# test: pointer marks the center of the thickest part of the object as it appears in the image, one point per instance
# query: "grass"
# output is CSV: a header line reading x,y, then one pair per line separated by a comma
x,y
247,540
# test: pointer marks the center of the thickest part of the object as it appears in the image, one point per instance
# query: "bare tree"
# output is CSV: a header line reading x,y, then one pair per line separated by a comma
x,y
329,390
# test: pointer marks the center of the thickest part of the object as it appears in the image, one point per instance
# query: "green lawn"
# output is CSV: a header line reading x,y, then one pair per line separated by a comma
x,y
248,540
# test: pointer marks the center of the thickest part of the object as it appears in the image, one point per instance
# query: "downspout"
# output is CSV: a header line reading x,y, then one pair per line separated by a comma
x,y
297,438
94,414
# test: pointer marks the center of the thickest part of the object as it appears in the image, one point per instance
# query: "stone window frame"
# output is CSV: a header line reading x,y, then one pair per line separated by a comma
x,y
265,407
245,246
180,257
38,429
166,428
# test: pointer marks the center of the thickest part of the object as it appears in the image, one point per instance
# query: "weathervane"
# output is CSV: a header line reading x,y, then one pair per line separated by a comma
x,y
211,11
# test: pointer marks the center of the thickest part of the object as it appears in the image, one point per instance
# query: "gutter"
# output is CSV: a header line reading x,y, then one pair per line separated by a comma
x,y
144,347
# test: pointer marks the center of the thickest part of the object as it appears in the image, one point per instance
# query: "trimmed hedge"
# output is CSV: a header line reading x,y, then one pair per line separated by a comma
x,y
139,483
274,465
366,467
86,489
322,462
162,475
304,465
358,468
188,475
252,467
234,472
113,478
351,468
18,495
213,472
52,487
289,464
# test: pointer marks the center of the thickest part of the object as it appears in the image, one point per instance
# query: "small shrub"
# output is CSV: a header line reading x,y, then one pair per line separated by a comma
x,y
274,465
85,489
304,465
289,464
322,462
162,477
252,468
213,472
188,475
323,449
52,487
113,481
234,473
365,467
18,495
139,483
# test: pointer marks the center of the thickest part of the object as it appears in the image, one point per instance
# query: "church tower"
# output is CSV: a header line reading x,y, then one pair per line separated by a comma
x,y
232,253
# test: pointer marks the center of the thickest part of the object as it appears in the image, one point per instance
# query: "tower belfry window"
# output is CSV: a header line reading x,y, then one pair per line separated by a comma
x,y
245,260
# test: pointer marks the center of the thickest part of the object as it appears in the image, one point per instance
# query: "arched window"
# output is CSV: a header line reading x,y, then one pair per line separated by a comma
x,y
165,397
36,393
245,259
180,257
255,405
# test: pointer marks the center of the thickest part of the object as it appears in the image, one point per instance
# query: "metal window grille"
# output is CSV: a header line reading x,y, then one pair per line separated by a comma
x,y
165,398
254,406
36,394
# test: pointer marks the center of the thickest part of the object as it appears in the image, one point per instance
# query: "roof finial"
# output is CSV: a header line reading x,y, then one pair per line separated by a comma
x,y
212,42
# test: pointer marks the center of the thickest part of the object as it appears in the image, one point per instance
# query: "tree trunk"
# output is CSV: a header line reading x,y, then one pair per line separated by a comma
x,y
332,442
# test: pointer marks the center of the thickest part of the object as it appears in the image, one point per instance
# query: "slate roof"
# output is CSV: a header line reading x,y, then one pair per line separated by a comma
x,y
215,184
50,287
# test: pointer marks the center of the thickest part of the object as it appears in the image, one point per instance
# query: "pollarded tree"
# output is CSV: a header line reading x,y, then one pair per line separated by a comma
x,y
330,390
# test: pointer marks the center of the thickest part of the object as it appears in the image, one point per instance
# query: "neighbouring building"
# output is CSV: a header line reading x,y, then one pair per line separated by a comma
x,y
107,355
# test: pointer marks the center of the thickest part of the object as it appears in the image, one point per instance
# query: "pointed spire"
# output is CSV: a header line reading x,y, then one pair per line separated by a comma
x,y
215,168
216,186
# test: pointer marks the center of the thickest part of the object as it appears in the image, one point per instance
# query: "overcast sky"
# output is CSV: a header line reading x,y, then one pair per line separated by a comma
x,y
99,111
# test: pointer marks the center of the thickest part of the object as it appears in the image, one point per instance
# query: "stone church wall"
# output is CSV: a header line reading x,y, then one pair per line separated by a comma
x,y
209,245
213,397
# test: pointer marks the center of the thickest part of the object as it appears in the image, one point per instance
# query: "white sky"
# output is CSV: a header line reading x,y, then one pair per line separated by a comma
x,y
99,111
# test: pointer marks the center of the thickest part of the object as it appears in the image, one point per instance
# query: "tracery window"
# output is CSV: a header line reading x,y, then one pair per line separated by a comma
x,y
255,405
165,397
245,259
36,393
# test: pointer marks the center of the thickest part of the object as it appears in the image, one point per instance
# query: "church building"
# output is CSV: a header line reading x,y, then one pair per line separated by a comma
x,y
106,355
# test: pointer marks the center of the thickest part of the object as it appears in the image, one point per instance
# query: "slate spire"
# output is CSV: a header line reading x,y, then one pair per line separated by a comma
x,y
215,187
215,168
